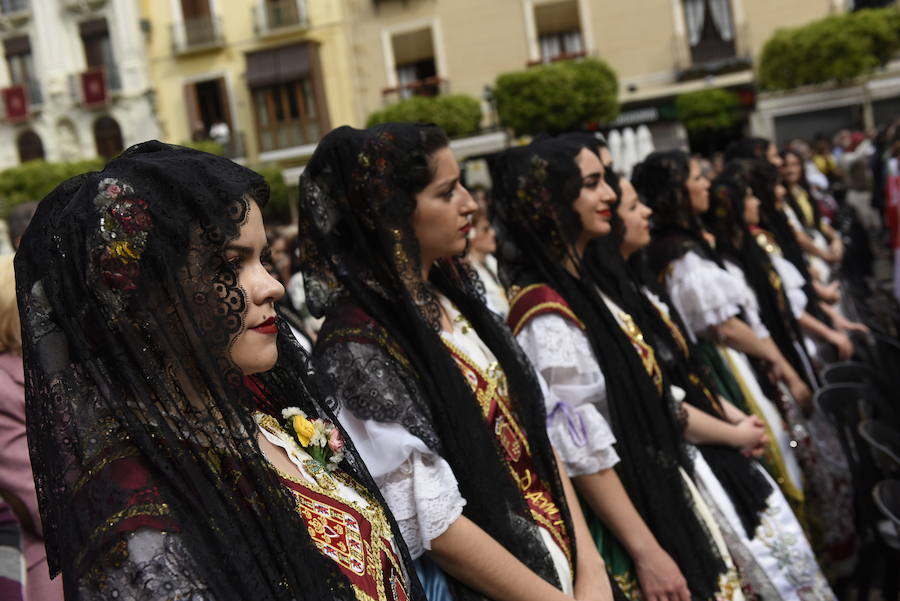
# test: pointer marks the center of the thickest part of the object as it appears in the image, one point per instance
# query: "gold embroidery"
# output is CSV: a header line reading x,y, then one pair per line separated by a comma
x,y
644,350
373,513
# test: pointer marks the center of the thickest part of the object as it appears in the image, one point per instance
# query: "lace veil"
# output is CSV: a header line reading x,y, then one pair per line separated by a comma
x,y
380,347
149,479
534,189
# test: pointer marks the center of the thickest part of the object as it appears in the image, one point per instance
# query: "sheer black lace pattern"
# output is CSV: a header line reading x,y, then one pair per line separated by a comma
x,y
379,347
139,424
383,222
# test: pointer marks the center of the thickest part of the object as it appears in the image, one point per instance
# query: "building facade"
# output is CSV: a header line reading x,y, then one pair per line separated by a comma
x,y
75,82
264,78
267,78
658,48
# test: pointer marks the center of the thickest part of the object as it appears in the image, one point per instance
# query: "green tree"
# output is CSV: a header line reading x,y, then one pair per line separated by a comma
x,y
280,207
706,110
837,48
35,179
210,146
458,115
557,97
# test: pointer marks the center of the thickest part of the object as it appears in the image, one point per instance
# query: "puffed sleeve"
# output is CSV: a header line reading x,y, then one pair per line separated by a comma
x,y
378,410
749,304
575,393
704,294
793,284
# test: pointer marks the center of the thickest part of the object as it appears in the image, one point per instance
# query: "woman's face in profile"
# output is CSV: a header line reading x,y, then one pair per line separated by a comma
x,y
594,202
254,349
698,189
635,215
441,219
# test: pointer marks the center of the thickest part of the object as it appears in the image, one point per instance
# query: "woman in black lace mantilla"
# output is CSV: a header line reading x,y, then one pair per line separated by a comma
x,y
432,388
168,419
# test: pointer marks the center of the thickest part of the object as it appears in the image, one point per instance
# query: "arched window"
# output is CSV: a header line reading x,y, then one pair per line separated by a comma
x,y
108,137
30,146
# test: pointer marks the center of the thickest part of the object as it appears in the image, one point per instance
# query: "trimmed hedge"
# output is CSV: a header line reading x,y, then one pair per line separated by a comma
x,y
837,48
707,110
35,179
557,97
458,115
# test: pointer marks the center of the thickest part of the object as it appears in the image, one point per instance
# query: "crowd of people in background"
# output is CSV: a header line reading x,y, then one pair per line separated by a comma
x,y
567,384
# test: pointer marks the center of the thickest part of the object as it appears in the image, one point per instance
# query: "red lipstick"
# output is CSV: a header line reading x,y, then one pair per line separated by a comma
x,y
267,327
465,229
605,212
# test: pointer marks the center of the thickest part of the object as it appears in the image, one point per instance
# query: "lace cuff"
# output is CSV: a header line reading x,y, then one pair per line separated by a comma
x,y
145,565
595,453
424,497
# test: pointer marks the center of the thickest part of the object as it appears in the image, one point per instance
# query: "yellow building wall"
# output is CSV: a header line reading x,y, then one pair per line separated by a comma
x,y
642,40
478,40
170,72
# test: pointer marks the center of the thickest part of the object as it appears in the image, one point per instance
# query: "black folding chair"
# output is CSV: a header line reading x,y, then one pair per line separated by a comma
x,y
845,405
882,399
884,446
886,496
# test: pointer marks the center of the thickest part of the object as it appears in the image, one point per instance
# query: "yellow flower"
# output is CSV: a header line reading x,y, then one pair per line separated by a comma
x,y
304,429
123,251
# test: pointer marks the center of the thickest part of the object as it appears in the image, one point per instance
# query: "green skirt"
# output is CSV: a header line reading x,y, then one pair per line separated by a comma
x,y
618,562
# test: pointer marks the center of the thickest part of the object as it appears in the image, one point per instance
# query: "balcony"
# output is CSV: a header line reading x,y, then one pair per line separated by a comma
x,y
14,14
278,16
197,34
95,86
83,6
429,86
563,56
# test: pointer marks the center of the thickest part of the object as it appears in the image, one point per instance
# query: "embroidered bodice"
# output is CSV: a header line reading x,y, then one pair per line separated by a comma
x,y
344,521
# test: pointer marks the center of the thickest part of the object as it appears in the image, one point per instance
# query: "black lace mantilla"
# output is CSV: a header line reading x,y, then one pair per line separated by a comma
x,y
149,478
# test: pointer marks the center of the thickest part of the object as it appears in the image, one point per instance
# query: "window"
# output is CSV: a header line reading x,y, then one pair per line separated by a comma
x,y
21,66
710,30
286,90
98,52
281,13
207,105
13,6
415,64
199,25
108,137
559,30
30,146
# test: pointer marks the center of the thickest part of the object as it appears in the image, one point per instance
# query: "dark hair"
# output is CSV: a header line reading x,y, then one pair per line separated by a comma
x,y
662,180
19,218
433,139
747,148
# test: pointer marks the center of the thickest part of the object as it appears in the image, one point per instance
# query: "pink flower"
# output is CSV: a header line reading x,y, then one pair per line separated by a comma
x,y
335,442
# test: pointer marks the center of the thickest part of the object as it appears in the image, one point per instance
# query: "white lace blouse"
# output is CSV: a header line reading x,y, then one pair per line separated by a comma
x,y
705,295
575,393
793,283
417,484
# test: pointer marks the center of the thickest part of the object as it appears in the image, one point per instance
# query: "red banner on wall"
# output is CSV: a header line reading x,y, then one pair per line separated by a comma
x,y
93,88
15,103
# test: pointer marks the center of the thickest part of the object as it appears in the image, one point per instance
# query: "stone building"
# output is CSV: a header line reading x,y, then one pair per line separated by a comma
x,y
75,81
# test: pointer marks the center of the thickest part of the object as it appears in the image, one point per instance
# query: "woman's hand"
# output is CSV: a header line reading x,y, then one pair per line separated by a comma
x,y
830,293
592,581
750,434
659,577
842,343
800,391
842,323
